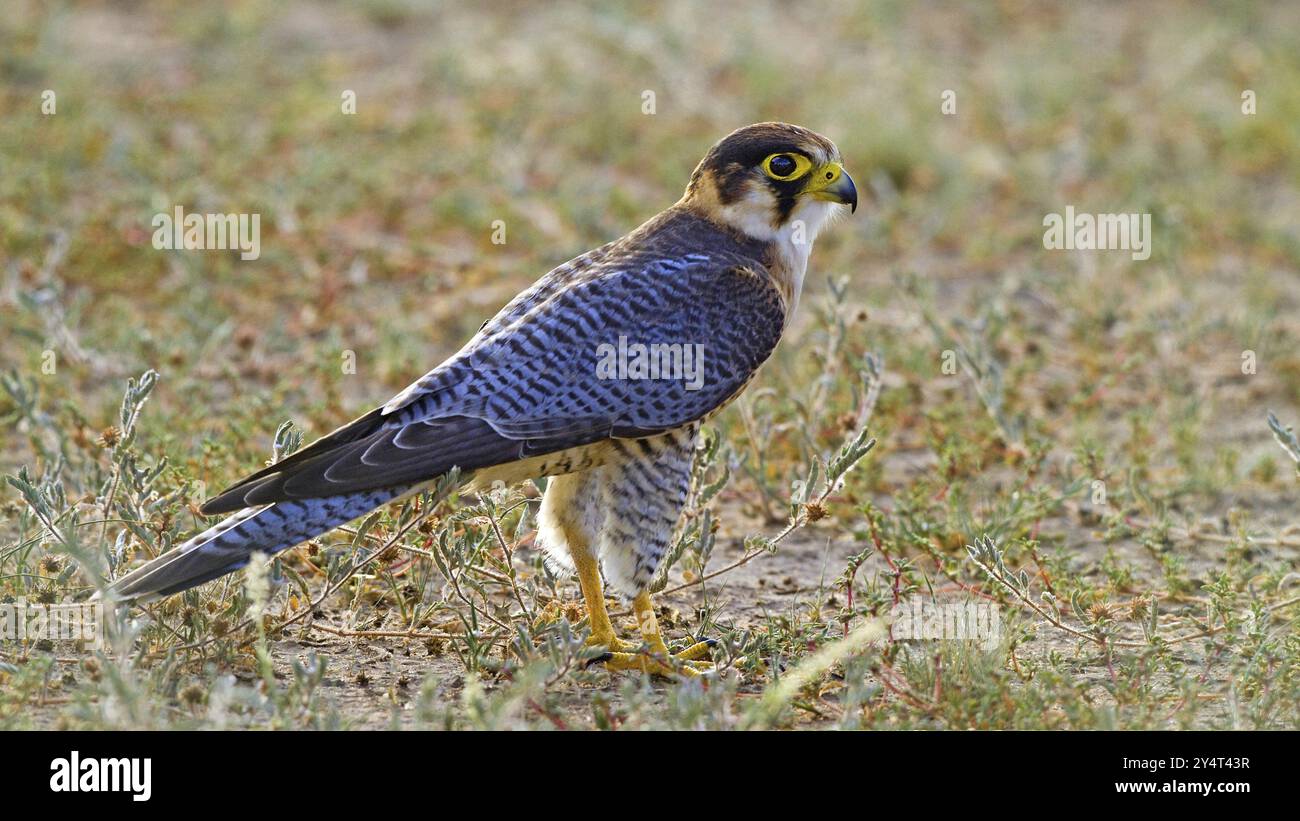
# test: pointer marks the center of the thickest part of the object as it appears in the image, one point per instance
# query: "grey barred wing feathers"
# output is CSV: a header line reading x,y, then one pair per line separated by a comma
x,y
631,353
554,376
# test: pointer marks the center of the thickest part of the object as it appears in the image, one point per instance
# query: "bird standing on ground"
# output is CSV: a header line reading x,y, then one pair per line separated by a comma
x,y
715,277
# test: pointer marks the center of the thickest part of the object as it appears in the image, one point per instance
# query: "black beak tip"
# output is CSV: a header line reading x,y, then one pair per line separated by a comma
x,y
851,194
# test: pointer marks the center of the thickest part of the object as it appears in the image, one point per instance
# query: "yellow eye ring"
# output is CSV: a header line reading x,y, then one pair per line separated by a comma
x,y
786,166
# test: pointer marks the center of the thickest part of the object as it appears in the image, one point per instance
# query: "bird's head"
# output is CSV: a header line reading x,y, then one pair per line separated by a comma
x,y
763,179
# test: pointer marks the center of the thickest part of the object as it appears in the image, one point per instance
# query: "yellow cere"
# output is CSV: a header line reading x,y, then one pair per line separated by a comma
x,y
825,176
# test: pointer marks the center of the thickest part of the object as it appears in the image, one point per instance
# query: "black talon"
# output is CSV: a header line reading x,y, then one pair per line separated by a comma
x,y
601,659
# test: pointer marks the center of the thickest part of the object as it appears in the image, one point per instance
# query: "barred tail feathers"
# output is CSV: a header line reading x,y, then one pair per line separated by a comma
x,y
227,546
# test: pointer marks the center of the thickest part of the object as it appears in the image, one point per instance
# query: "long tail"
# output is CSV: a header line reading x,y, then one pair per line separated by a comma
x,y
227,546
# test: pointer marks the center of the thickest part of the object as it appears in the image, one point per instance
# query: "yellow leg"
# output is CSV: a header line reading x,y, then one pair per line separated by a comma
x,y
656,658
593,592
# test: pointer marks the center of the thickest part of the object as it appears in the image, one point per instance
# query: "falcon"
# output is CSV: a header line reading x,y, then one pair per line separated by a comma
x,y
710,283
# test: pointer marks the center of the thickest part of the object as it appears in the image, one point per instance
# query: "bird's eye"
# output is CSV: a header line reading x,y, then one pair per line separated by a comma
x,y
781,166
785,166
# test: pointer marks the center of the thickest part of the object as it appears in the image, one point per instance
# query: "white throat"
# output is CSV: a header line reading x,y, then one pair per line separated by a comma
x,y
793,240
796,237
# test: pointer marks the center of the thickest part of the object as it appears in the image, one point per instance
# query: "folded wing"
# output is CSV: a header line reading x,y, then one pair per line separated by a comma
x,y
566,369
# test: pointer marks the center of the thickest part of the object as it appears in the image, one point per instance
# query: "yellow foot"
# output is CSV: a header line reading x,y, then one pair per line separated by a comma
x,y
658,661
612,644
697,650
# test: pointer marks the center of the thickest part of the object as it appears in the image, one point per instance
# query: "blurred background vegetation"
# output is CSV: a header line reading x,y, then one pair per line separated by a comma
x,y
376,227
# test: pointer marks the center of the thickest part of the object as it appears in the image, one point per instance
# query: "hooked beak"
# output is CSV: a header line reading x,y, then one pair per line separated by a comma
x,y
833,184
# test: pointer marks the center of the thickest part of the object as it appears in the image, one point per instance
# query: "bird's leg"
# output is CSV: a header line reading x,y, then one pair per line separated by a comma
x,y
656,657
593,592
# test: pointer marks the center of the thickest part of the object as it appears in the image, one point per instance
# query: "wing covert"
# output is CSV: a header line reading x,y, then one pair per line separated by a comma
x,y
635,348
